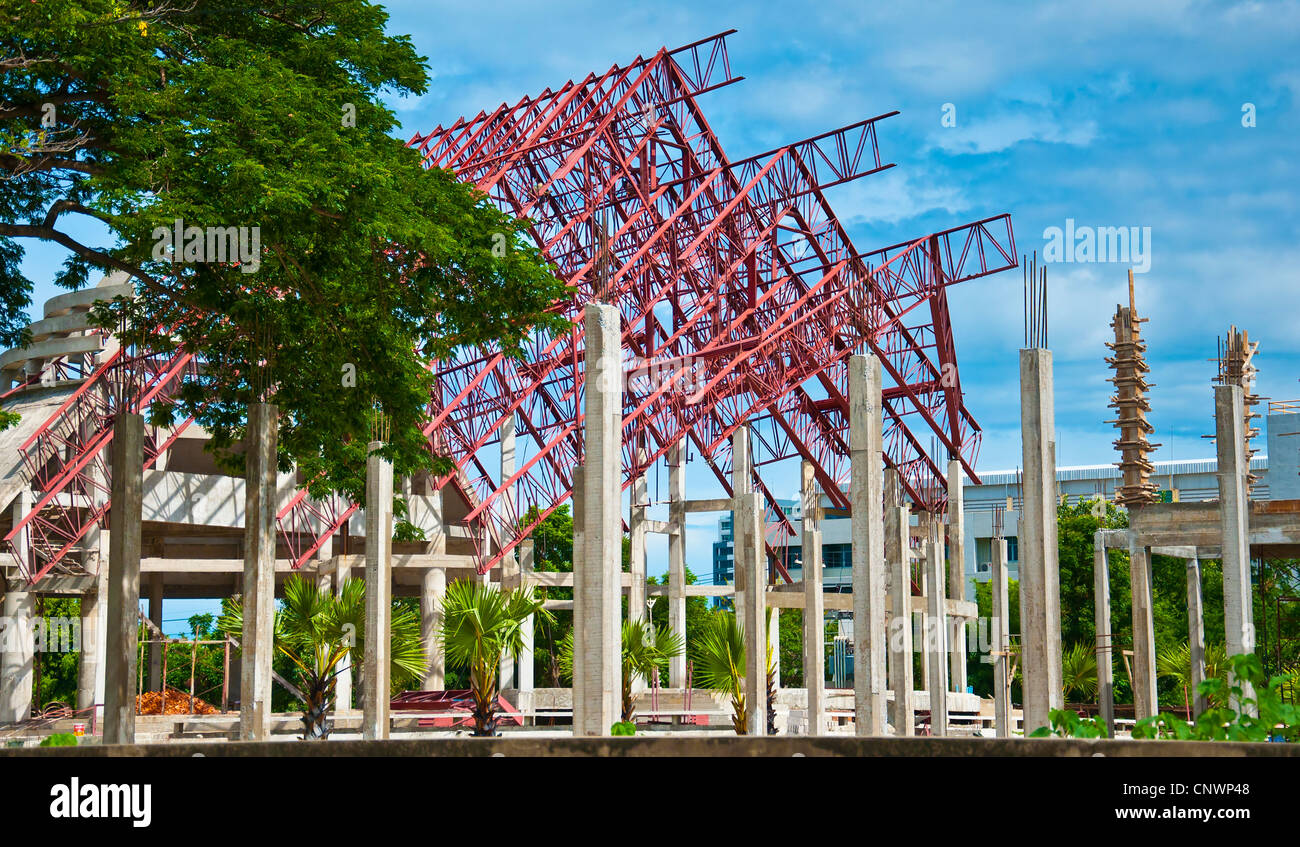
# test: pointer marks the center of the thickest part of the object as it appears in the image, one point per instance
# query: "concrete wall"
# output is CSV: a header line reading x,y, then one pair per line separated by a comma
x,y
682,746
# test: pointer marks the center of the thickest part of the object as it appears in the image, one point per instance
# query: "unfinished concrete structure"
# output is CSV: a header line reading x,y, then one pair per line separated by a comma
x,y
731,275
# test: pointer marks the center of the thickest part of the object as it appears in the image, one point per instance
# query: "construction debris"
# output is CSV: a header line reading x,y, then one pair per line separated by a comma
x,y
178,703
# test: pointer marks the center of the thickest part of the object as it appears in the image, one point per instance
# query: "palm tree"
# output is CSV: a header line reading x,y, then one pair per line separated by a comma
x,y
1175,662
479,625
646,649
719,658
1079,671
317,630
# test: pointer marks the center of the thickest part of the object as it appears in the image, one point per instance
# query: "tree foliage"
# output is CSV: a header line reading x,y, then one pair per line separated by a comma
x,y
269,117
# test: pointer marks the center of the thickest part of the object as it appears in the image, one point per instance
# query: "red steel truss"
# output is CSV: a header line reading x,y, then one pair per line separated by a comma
x,y
742,298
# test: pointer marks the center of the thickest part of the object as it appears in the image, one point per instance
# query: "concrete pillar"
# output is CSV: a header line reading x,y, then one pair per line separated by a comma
x,y
260,505
742,484
956,574
1144,636
92,635
936,637
124,519
17,640
814,611
1001,646
901,665
1234,511
375,694
866,492
597,667
524,679
677,557
156,617
774,645
1105,640
637,515
343,682
1040,595
433,587
752,606
1196,634
509,564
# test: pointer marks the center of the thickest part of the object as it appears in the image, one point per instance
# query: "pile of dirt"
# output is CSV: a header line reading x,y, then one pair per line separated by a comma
x,y
178,703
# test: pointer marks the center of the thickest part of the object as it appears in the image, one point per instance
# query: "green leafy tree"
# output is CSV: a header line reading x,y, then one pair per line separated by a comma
x,y
270,117
480,625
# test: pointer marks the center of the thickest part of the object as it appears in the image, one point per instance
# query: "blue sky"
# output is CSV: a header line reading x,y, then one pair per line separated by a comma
x,y
1108,113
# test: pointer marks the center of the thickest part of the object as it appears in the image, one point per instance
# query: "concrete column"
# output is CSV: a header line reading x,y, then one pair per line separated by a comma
x,y
156,617
901,665
752,606
636,597
124,519
936,637
17,638
92,636
343,682
18,642
509,564
597,671
375,694
257,646
1105,640
774,645
677,557
742,484
1196,634
637,516
1234,510
433,588
866,491
1144,636
957,573
1001,645
1040,606
524,679
814,611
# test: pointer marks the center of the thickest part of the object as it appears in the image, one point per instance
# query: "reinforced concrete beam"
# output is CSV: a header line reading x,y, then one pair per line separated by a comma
x,y
1040,596
258,642
814,614
1234,516
901,662
866,493
956,573
375,694
123,578
936,638
677,557
597,666
1144,636
1105,639
1001,646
